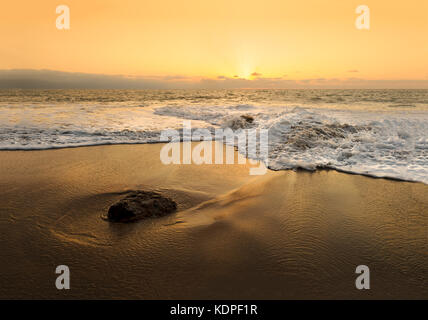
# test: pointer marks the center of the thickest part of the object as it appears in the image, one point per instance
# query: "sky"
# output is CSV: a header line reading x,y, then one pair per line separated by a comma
x,y
200,43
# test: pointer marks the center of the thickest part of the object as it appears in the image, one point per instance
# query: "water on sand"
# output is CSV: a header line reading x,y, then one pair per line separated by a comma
x,y
283,235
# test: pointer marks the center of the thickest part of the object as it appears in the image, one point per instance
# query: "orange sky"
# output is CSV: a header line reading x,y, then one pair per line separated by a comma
x,y
200,38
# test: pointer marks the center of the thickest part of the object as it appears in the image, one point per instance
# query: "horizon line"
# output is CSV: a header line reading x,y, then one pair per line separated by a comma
x,y
56,79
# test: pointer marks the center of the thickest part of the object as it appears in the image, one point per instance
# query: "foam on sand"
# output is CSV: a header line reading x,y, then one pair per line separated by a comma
x,y
380,142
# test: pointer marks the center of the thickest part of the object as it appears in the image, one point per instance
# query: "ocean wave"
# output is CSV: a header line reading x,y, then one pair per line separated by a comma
x,y
391,144
386,148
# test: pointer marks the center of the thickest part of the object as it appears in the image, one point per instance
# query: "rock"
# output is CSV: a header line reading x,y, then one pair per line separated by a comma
x,y
248,118
241,122
140,205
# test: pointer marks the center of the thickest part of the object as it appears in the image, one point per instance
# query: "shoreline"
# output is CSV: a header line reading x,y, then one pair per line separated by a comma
x,y
297,169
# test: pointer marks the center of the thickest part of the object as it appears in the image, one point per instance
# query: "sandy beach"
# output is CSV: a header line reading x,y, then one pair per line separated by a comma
x,y
315,186
284,235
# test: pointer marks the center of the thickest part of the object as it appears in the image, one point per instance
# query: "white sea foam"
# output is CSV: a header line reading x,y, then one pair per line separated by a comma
x,y
377,140
393,145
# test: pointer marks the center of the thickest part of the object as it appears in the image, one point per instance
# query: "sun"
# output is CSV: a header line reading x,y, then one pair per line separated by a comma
x,y
245,70
245,74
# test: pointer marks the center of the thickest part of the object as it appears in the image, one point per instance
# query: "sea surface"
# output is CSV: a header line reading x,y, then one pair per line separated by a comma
x,y
381,133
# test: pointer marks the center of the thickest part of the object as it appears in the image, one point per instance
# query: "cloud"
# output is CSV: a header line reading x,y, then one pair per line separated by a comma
x,y
49,79
353,70
256,74
178,77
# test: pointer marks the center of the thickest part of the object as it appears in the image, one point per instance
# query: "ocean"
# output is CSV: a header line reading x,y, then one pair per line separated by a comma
x,y
380,133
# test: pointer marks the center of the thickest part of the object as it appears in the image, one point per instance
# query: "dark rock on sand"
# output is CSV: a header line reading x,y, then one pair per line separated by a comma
x,y
140,205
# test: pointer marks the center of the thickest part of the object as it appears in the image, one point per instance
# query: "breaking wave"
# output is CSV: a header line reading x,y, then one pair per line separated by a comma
x,y
376,144
388,141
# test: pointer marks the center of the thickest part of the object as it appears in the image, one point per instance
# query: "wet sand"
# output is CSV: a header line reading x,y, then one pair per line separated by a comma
x,y
284,235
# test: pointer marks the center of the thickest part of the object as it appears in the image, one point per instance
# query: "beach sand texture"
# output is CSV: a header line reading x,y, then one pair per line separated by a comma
x,y
283,235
